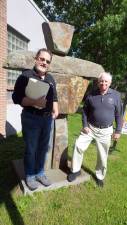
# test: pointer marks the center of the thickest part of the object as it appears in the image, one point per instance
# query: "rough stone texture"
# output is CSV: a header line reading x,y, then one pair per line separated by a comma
x,y
3,72
48,163
74,66
60,143
71,90
20,59
60,34
63,65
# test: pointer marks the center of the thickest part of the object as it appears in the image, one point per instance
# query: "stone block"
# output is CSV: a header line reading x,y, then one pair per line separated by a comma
x,y
59,159
62,36
58,37
71,90
60,64
75,66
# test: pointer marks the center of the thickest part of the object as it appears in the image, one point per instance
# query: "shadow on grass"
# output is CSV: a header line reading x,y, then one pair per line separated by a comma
x,y
90,172
86,169
10,149
113,148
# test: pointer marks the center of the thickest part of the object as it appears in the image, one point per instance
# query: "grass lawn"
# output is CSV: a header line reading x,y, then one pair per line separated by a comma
x,y
84,204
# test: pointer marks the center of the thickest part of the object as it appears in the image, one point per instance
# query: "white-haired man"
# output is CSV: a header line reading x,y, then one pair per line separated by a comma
x,y
101,108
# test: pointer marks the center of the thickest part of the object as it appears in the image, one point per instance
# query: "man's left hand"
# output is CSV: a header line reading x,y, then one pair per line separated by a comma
x,y
115,136
55,111
55,115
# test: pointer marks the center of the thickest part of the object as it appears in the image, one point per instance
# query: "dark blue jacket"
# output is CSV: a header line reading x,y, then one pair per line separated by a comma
x,y
102,110
20,86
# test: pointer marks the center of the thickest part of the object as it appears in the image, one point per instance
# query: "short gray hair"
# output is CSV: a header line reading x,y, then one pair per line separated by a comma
x,y
107,74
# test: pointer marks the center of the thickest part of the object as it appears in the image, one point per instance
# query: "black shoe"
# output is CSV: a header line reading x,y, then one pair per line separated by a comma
x,y
100,183
72,176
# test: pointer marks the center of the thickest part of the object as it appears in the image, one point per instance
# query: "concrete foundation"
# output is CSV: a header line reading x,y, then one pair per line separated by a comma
x,y
57,177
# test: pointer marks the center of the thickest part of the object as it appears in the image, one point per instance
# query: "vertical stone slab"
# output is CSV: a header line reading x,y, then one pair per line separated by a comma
x,y
59,159
3,55
48,163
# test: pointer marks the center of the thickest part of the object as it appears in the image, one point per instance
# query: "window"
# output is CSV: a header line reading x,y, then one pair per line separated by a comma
x,y
12,76
16,41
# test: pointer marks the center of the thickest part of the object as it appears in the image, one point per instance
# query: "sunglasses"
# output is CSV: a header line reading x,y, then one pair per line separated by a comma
x,y
40,59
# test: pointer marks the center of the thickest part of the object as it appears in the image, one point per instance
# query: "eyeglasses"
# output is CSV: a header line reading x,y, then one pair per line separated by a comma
x,y
40,59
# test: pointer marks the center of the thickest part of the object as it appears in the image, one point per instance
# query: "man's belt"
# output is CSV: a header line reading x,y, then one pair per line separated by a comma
x,y
37,112
101,126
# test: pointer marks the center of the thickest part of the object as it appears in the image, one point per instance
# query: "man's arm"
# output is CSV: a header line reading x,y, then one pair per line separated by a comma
x,y
40,102
85,128
19,89
118,118
55,111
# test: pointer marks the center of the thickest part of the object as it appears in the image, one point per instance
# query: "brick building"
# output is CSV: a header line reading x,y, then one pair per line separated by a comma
x,y
20,29
3,74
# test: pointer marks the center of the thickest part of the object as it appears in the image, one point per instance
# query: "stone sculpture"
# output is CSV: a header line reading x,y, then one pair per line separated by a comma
x,y
71,75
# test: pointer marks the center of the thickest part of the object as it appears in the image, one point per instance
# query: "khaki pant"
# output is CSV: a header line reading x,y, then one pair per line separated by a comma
x,y
103,142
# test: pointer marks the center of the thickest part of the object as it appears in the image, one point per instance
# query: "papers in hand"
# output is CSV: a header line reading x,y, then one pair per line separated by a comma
x,y
36,89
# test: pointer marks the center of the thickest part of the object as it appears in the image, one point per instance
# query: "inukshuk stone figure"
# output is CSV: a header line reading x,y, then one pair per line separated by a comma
x,y
71,78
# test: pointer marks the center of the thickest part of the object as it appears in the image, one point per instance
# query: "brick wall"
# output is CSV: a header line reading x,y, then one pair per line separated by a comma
x,y
3,72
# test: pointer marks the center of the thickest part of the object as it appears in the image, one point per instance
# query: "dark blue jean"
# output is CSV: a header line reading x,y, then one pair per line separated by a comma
x,y
36,133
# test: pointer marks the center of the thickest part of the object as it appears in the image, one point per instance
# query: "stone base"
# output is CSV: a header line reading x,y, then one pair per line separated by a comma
x,y
57,177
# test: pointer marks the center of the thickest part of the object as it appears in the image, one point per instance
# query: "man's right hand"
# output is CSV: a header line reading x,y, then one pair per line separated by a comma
x,y
85,130
41,102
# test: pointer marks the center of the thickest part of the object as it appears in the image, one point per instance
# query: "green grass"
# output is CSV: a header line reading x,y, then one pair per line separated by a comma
x,y
84,204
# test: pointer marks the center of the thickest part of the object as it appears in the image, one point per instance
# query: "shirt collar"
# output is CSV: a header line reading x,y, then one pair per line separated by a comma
x,y
108,92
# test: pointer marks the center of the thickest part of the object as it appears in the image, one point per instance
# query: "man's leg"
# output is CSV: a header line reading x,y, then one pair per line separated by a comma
x,y
31,132
43,149
103,144
81,146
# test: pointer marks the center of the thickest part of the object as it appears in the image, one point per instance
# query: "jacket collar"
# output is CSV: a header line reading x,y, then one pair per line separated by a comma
x,y
108,92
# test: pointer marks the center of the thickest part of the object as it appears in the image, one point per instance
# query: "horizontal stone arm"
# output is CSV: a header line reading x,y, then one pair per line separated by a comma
x,y
60,64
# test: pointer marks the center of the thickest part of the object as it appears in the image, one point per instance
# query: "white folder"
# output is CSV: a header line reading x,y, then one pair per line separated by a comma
x,y
36,89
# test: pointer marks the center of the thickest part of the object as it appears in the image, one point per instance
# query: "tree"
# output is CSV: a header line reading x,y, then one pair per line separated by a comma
x,y
100,31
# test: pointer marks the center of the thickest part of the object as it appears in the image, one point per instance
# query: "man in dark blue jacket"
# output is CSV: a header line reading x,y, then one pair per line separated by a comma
x,y
101,108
